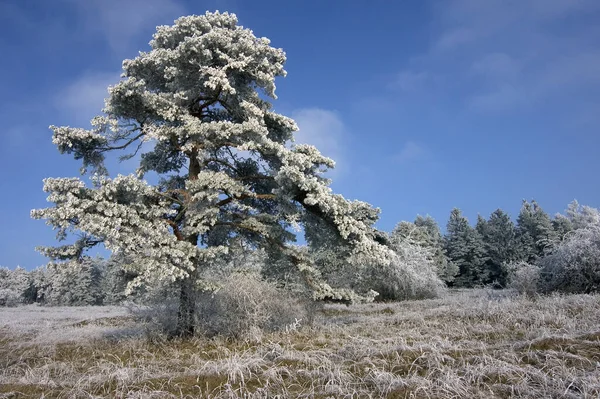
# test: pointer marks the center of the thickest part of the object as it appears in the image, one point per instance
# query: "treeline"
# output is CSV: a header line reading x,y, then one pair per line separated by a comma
x,y
537,254
550,254
92,281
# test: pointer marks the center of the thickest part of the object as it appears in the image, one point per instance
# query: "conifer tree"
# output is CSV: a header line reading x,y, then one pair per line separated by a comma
x,y
582,216
562,225
465,248
481,228
226,169
76,283
535,233
430,237
501,246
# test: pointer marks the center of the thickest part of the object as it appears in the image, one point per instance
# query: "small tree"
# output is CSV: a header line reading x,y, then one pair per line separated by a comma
x,y
425,232
412,272
224,165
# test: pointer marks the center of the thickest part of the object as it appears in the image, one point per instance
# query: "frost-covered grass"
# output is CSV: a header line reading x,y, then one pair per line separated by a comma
x,y
471,344
61,324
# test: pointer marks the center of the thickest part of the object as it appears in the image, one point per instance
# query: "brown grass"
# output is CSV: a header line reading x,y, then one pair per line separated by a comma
x,y
472,344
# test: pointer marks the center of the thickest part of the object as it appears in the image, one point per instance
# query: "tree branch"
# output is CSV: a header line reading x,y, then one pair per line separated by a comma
x,y
120,147
244,196
176,230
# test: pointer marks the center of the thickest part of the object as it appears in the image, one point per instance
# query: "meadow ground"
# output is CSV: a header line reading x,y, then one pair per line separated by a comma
x,y
471,344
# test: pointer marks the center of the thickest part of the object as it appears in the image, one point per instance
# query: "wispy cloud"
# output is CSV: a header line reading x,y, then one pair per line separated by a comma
x,y
453,38
325,130
412,152
84,97
497,66
494,56
410,81
122,21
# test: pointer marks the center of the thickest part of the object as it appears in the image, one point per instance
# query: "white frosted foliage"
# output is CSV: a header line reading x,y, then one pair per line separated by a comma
x,y
227,167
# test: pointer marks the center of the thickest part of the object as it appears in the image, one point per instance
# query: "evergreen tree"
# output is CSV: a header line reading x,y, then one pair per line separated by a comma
x,y
115,278
562,225
535,232
40,284
582,216
21,281
76,283
481,228
499,236
226,168
15,286
9,295
434,240
465,248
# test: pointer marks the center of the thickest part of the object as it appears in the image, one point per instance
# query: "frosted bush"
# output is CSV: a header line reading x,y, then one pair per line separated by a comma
x,y
574,265
523,278
10,297
410,275
246,305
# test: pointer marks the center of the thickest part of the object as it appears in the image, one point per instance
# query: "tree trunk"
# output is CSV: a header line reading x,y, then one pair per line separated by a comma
x,y
187,308
187,295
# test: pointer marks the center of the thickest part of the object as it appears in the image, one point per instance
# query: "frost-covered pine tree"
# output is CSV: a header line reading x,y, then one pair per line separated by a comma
x,y
75,283
226,168
499,236
582,216
535,232
15,287
465,248
500,243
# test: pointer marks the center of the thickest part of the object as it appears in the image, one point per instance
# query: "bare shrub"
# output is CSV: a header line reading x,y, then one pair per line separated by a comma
x,y
246,304
523,278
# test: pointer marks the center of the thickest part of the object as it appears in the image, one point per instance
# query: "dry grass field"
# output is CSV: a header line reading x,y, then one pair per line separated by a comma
x,y
471,344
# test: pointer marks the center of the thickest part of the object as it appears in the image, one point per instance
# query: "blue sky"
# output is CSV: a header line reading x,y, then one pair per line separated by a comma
x,y
425,105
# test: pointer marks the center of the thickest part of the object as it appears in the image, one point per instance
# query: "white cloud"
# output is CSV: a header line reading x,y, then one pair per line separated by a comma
x,y
412,152
503,98
84,97
454,38
325,130
121,21
411,81
497,66
496,56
